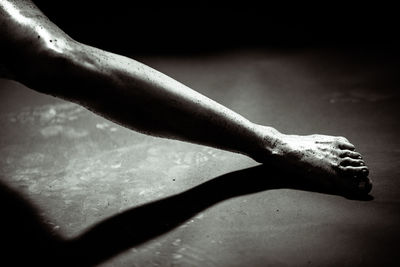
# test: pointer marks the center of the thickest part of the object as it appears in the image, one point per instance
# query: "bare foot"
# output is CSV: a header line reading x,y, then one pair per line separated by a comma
x,y
332,160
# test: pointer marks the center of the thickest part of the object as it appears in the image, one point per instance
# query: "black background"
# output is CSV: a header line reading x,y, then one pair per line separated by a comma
x,y
161,26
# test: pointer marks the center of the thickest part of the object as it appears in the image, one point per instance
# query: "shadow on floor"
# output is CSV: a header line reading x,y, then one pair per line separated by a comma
x,y
27,241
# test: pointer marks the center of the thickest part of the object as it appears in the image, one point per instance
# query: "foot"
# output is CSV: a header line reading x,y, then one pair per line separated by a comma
x,y
332,160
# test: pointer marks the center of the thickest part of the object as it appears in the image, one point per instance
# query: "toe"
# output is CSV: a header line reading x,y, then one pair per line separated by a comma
x,y
350,154
361,171
365,185
345,145
355,162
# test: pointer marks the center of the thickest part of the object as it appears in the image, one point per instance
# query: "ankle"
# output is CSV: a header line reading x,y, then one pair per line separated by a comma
x,y
269,144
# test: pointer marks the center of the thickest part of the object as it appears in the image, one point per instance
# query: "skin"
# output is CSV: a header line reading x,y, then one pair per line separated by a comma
x,y
145,100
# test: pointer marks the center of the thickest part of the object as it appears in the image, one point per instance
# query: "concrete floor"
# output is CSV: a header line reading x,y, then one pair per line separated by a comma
x,y
80,190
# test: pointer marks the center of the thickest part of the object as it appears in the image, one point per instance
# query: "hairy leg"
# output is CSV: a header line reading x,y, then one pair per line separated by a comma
x,y
143,99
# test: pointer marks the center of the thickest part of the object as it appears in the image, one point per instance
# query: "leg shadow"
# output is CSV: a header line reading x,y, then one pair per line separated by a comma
x,y
146,222
28,242
24,238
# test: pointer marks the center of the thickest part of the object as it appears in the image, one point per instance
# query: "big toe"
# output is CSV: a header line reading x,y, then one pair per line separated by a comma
x,y
356,179
364,185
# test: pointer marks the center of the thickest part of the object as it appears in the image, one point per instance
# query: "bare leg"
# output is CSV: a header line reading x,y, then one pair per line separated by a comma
x,y
143,99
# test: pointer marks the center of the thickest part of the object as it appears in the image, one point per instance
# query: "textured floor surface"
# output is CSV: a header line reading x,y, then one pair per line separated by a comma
x,y
80,188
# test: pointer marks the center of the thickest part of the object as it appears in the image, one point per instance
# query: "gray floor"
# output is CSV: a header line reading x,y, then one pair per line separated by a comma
x,y
90,181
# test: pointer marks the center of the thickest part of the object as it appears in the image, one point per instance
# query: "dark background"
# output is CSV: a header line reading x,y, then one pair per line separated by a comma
x,y
158,26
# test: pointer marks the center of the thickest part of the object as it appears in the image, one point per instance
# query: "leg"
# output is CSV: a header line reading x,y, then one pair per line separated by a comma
x,y
143,99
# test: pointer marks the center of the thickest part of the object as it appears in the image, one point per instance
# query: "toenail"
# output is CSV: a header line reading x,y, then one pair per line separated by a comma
x,y
364,171
362,164
359,157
